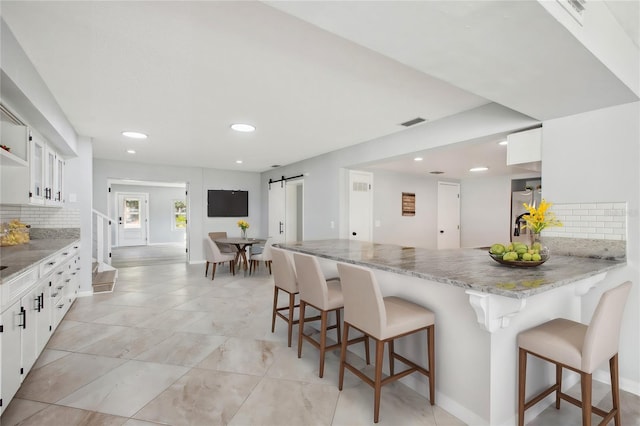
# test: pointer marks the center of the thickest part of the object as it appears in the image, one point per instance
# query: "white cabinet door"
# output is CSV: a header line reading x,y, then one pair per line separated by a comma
x,y
36,165
11,320
30,305
43,316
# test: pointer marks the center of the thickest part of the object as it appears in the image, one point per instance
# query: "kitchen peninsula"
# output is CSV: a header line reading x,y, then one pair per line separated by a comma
x,y
480,308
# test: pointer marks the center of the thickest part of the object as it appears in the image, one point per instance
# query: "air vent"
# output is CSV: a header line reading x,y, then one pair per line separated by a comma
x,y
360,186
436,172
575,8
413,122
275,166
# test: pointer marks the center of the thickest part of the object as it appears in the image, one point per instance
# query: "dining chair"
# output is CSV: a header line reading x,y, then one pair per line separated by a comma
x,y
264,256
384,319
325,296
580,348
224,248
215,256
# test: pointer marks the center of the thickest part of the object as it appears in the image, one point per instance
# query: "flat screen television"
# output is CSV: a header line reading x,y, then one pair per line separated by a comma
x,y
227,203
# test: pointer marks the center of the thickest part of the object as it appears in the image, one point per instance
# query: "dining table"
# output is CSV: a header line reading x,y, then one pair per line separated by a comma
x,y
241,245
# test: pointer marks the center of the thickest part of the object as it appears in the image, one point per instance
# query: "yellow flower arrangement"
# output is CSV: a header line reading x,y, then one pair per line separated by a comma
x,y
539,218
243,224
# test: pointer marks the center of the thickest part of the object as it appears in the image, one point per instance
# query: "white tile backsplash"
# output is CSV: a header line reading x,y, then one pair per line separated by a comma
x,y
41,217
600,221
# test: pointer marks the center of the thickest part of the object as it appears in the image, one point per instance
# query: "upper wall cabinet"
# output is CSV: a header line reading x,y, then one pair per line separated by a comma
x,y
525,149
39,181
13,138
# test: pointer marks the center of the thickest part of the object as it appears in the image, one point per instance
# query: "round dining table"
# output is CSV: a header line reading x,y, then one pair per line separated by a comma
x,y
241,245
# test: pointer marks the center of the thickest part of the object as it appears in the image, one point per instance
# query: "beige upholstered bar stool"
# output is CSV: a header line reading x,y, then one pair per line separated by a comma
x,y
325,296
383,319
284,279
580,348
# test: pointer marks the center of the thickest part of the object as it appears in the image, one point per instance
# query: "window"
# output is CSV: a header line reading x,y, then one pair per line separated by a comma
x,y
179,215
132,213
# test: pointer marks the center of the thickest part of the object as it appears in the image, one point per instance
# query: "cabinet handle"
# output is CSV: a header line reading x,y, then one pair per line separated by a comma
x,y
54,294
60,287
23,313
51,263
66,281
60,306
66,253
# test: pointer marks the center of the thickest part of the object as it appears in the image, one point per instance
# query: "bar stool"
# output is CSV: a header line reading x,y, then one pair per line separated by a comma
x,y
284,279
580,348
325,296
383,319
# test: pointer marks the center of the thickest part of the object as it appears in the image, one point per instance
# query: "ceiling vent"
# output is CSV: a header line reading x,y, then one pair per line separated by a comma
x,y
436,172
575,8
413,122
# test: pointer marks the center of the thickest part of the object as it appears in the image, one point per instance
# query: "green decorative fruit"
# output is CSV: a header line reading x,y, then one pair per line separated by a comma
x,y
527,257
536,257
510,255
497,249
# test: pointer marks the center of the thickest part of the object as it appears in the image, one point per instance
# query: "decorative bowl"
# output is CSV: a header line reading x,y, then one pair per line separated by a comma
x,y
520,263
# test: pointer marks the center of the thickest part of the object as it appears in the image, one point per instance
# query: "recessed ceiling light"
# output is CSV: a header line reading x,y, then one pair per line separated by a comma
x,y
131,151
241,127
478,169
417,159
134,135
238,161
504,142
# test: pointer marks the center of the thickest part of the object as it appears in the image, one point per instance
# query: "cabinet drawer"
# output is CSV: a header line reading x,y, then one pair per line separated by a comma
x,y
15,288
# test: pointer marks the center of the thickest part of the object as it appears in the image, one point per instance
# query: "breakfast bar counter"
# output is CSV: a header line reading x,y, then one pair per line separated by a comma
x,y
480,308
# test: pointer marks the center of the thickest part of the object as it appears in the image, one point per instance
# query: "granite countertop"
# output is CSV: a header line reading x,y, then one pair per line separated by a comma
x,y
19,258
466,268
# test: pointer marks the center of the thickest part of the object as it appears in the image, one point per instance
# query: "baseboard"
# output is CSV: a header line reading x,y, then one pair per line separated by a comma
x,y
461,412
85,293
196,262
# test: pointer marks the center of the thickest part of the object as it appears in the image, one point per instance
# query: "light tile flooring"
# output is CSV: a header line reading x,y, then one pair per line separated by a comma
x,y
170,346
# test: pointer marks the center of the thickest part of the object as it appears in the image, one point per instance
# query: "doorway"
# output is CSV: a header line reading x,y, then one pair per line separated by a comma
x,y
448,215
286,210
133,225
360,205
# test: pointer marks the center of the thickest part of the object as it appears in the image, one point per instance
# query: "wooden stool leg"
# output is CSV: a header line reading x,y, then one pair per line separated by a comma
x,y
323,341
213,270
366,349
338,324
301,328
431,336
275,306
343,354
377,387
522,377
559,384
615,388
585,384
292,303
206,269
391,363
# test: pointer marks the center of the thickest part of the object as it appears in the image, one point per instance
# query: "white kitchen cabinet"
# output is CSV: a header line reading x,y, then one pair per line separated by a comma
x,y
524,149
32,305
40,181
11,322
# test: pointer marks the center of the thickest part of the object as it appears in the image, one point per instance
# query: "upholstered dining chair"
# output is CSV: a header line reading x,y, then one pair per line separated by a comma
x,y
264,256
384,319
215,256
580,348
224,248
325,296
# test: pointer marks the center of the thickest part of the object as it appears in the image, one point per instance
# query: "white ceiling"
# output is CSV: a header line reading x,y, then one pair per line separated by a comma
x,y
184,71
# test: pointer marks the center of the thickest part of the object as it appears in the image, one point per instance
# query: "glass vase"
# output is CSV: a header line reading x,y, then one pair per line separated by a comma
x,y
243,234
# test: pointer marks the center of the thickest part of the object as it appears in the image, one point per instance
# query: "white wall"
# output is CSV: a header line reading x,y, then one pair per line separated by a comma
x,y
594,157
199,180
161,200
79,186
416,231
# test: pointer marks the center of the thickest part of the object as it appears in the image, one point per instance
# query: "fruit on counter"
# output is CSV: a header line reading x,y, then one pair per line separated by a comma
x,y
497,249
14,233
517,252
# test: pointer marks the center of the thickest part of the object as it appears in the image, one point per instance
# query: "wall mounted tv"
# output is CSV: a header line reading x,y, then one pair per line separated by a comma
x,y
226,203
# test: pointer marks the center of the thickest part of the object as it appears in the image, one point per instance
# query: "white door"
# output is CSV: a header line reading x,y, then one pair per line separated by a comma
x,y
132,219
448,215
294,210
277,211
360,206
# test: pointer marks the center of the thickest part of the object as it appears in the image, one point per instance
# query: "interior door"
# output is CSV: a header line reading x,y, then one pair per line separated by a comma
x,y
448,215
360,205
277,211
132,219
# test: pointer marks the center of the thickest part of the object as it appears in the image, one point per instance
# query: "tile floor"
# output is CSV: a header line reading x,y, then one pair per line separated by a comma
x,y
170,346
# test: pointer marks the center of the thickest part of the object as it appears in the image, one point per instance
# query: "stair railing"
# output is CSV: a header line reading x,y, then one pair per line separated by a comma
x,y
102,231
